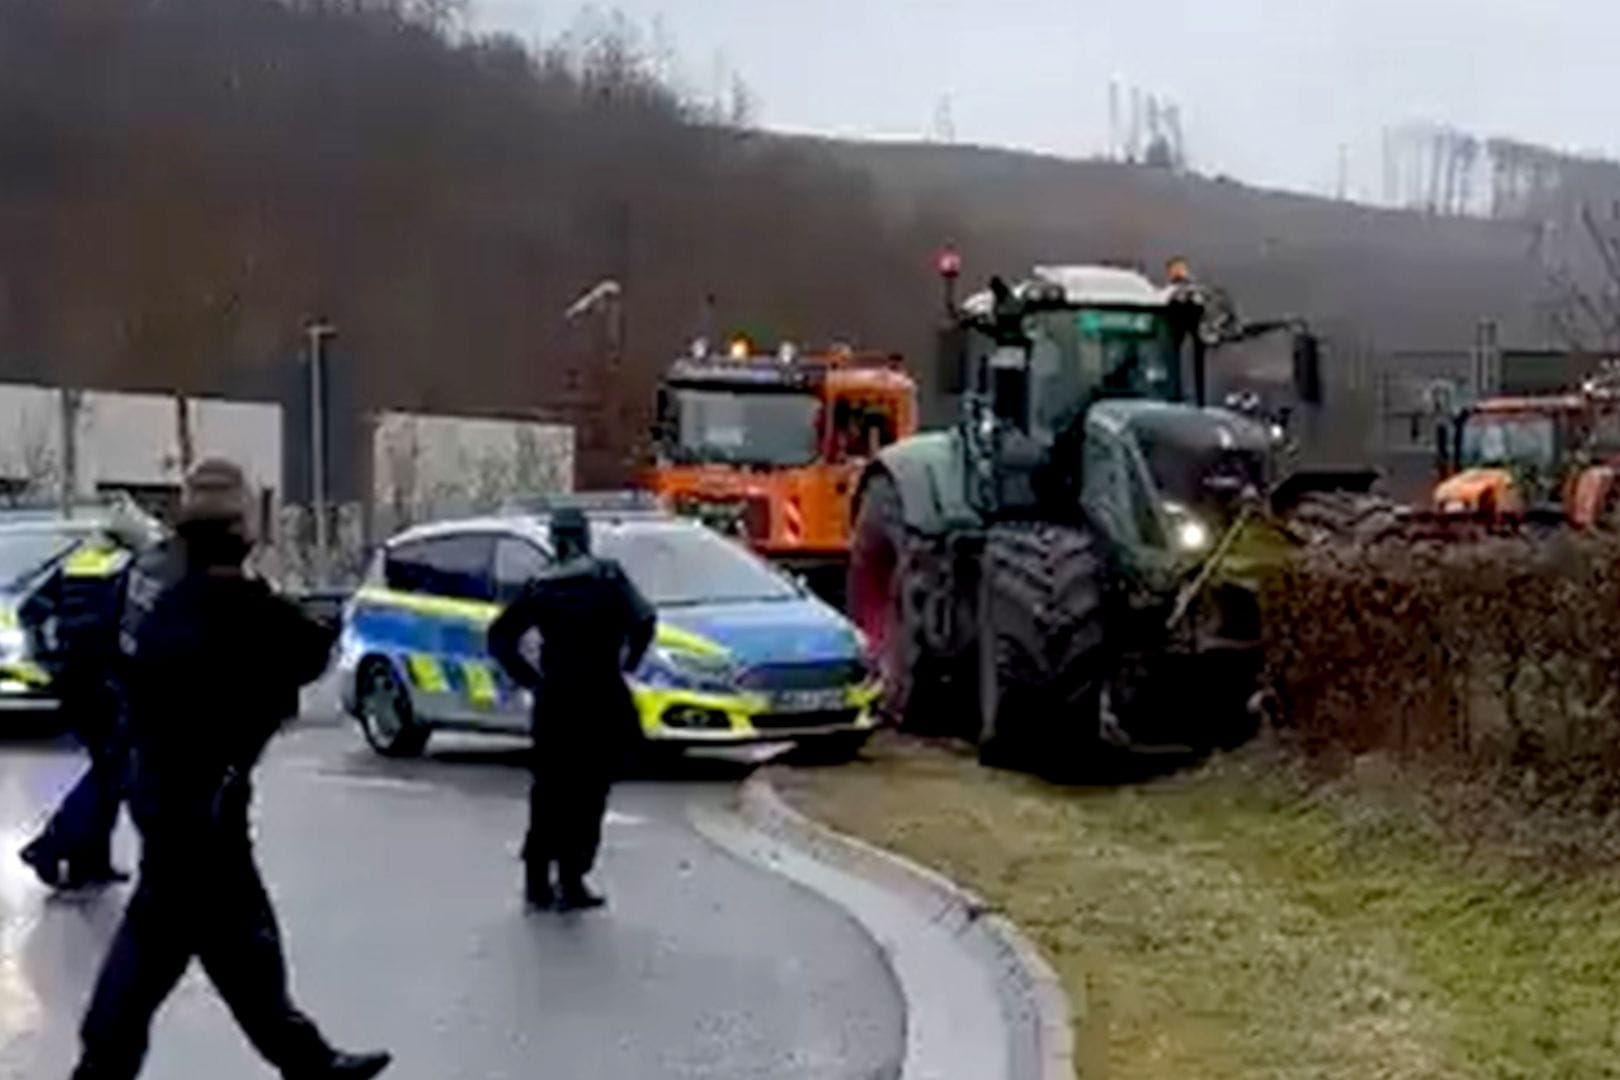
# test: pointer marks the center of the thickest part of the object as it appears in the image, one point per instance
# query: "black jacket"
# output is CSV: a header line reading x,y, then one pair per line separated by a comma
x,y
154,570
218,665
74,615
594,625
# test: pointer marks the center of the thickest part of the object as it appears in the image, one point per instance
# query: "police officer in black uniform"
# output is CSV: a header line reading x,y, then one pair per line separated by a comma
x,y
217,666
78,610
594,626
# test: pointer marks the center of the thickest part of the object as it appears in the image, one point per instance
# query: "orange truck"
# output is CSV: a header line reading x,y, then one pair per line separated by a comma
x,y
768,448
1552,457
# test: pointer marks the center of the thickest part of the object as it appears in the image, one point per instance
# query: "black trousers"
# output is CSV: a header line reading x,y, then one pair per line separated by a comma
x,y
198,897
80,831
566,807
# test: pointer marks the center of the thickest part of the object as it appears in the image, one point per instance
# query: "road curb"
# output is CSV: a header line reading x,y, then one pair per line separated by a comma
x,y
1035,1007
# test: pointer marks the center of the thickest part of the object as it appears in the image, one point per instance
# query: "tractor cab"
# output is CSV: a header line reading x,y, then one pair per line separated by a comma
x,y
1516,457
1100,357
1049,346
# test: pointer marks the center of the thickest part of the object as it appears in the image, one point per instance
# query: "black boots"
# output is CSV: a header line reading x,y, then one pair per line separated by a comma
x,y
347,1067
570,895
51,869
537,891
55,872
574,896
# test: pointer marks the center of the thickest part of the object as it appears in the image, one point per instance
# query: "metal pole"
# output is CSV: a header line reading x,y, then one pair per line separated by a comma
x,y
318,332
69,481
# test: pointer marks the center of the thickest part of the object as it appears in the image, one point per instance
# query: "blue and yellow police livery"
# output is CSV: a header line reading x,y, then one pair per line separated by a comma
x,y
36,545
742,653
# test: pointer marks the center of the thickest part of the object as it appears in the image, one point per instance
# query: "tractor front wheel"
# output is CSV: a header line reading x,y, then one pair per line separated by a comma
x,y
1041,652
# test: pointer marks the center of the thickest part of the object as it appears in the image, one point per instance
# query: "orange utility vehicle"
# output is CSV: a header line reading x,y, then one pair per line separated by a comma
x,y
768,448
1554,457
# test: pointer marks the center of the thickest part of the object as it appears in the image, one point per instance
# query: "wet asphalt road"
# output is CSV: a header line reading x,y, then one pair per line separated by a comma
x,y
397,888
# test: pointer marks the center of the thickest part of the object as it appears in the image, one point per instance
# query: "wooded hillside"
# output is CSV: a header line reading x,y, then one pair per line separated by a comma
x,y
183,183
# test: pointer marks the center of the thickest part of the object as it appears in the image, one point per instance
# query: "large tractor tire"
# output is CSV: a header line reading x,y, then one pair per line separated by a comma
x,y
886,596
1323,517
1042,660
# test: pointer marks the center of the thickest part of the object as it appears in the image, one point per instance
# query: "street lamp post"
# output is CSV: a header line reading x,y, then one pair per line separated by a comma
x,y
318,331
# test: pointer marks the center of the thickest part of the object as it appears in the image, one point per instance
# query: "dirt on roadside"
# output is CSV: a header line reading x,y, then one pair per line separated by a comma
x,y
1228,923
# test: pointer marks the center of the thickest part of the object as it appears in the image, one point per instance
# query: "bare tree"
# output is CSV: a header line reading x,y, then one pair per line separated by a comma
x,y
742,107
1584,281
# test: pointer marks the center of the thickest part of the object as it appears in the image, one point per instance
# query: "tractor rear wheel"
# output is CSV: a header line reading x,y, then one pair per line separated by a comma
x,y
885,593
1042,660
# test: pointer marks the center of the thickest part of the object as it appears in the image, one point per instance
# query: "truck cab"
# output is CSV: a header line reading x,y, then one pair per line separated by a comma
x,y
769,448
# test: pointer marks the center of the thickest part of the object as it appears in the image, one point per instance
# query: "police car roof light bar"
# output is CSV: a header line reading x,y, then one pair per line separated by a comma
x,y
632,500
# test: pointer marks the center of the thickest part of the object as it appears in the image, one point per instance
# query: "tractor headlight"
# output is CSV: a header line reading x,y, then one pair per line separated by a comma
x,y
689,670
1192,535
1187,531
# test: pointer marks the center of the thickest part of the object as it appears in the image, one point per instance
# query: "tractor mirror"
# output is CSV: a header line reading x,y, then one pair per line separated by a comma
x,y
1308,369
951,356
1443,449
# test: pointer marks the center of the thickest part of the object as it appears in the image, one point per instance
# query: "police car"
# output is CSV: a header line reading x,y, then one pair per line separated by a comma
x,y
742,654
34,544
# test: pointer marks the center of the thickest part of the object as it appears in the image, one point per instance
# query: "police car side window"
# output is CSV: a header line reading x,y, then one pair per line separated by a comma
x,y
517,562
454,566
405,568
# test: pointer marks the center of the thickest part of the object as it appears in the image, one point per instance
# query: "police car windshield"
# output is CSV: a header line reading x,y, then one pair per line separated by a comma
x,y
677,565
25,552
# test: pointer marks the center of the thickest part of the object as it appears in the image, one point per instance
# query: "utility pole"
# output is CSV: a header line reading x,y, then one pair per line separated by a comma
x,y
71,400
1113,120
318,331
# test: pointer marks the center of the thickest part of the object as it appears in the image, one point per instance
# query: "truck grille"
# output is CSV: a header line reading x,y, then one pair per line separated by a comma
x,y
823,675
745,517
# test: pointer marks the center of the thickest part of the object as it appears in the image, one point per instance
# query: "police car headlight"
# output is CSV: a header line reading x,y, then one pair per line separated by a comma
x,y
13,644
686,669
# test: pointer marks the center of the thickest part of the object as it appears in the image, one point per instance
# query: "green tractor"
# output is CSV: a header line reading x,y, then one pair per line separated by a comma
x,y
1070,567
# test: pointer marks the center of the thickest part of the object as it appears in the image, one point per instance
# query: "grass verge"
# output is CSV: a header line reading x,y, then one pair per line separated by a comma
x,y
1230,922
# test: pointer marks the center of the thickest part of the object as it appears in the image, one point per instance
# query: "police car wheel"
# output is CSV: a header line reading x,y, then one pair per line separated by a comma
x,y
386,718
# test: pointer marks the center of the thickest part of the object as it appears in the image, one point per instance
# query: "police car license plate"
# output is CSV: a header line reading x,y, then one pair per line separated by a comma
x,y
807,701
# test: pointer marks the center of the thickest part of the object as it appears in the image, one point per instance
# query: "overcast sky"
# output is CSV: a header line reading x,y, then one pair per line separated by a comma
x,y
1269,89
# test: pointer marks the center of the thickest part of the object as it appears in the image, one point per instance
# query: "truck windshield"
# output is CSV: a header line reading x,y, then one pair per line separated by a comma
x,y
744,428
1524,440
1079,355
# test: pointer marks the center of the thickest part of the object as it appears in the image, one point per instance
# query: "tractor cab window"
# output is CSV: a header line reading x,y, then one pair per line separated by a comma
x,y
744,427
1077,356
1604,438
1129,353
1521,440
